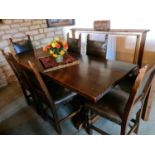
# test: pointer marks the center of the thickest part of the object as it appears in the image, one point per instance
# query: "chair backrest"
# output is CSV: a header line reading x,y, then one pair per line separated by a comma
x,y
9,58
97,48
31,78
22,46
74,45
18,72
37,84
139,92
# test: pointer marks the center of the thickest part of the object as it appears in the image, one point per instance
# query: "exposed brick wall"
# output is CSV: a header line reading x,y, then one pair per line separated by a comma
x,y
3,81
18,29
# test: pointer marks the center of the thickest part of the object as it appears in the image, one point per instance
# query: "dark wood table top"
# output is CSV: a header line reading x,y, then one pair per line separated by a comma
x,y
92,78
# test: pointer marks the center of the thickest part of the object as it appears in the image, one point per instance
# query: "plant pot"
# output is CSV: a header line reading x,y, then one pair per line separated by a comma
x,y
59,59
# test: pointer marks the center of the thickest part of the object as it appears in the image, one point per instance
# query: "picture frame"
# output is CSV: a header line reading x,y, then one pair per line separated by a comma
x,y
60,22
102,25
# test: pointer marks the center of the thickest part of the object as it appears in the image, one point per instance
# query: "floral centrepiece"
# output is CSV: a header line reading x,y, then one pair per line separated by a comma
x,y
56,48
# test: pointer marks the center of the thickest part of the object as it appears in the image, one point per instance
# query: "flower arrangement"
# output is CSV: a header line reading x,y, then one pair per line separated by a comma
x,y
56,48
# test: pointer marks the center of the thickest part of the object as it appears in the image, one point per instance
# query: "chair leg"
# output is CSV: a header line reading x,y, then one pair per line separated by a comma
x,y
58,128
26,96
41,111
138,117
135,128
123,129
88,122
56,121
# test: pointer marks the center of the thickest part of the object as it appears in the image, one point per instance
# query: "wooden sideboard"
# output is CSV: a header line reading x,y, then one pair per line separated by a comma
x,y
139,33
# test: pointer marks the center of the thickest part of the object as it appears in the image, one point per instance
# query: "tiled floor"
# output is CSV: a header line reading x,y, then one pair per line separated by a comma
x,y
16,118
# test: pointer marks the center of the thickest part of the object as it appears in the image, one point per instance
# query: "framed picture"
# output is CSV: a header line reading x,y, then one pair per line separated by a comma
x,y
102,25
60,22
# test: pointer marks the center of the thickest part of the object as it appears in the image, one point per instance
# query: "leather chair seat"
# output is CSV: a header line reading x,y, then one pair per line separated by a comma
x,y
60,94
112,105
127,83
64,97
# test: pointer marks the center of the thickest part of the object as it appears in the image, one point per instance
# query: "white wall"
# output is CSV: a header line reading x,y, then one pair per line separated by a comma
x,y
129,14
127,24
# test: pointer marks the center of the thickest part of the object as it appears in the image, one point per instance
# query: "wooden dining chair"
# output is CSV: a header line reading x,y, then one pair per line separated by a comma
x,y
74,45
28,92
120,107
11,59
22,46
127,82
49,100
97,48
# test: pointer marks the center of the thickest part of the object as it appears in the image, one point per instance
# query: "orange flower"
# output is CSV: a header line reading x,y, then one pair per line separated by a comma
x,y
45,49
57,45
65,46
48,46
63,42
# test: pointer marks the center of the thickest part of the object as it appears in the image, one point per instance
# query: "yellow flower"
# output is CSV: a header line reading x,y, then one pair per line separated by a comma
x,y
53,44
57,38
62,52
51,52
55,55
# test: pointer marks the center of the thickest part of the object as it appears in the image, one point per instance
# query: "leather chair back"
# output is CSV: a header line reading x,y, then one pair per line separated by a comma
x,y
22,46
97,48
